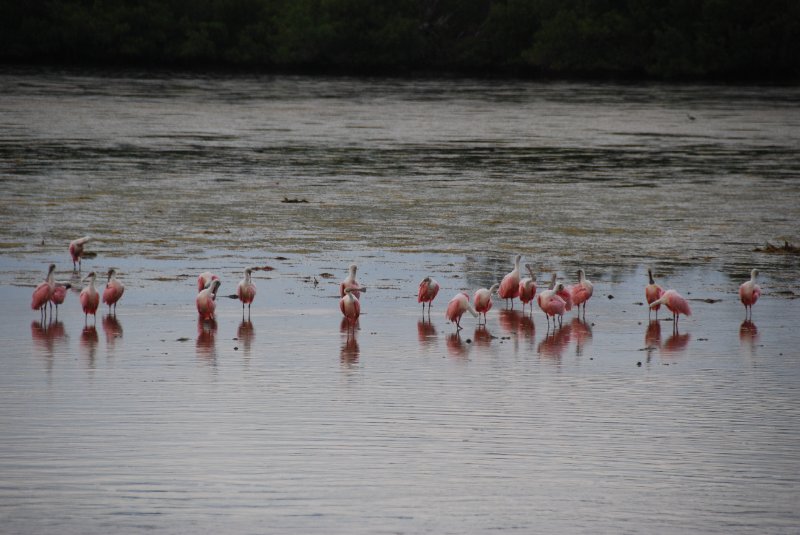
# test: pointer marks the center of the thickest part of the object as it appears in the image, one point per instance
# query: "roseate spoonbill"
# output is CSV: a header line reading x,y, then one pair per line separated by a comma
x,y
552,304
205,300
527,288
350,282
749,292
483,300
44,291
509,286
114,290
76,250
564,294
59,294
89,298
675,303
204,279
456,308
428,289
246,290
351,307
581,292
652,292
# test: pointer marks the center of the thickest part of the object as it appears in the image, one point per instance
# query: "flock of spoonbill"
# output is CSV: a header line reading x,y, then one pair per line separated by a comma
x,y
553,301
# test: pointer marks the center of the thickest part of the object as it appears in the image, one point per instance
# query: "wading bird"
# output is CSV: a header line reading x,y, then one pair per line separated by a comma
x,y
749,292
509,286
552,304
114,290
456,308
675,303
581,292
483,300
652,292
89,298
351,307
76,251
204,279
527,288
59,294
205,300
44,291
246,290
428,289
350,282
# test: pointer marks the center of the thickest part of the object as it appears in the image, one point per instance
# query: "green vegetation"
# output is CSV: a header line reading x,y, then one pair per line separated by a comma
x,y
667,39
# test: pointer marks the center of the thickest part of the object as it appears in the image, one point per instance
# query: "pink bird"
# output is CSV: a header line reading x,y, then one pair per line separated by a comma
x,y
89,298
552,304
76,251
652,292
675,303
749,292
44,291
581,292
114,290
350,282
483,300
351,307
204,279
527,288
206,300
59,294
563,293
428,289
246,290
509,286
456,308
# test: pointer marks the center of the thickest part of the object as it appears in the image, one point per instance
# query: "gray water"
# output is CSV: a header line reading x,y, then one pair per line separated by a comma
x,y
151,420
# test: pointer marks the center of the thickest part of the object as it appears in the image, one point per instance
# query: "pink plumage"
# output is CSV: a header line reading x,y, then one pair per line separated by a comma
x,y
749,292
205,301
509,286
204,279
456,308
674,302
113,291
428,290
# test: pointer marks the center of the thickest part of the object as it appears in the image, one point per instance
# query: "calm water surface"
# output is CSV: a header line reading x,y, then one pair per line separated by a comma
x,y
151,420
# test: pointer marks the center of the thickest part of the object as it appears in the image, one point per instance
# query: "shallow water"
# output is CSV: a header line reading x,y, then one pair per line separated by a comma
x,y
155,421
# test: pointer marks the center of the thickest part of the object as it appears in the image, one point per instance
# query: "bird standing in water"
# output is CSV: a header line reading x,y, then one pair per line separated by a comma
x,y
552,304
350,282
483,300
206,300
76,251
581,292
351,307
456,308
509,286
749,292
44,291
527,288
675,303
204,279
428,289
89,298
246,290
652,292
114,290
59,294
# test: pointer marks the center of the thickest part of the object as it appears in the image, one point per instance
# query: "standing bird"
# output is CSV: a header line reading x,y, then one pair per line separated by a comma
x,y
351,307
527,288
204,279
749,292
581,292
246,290
114,290
456,308
89,298
675,303
76,251
509,286
350,282
59,294
563,293
44,291
428,289
205,300
652,292
483,300
552,304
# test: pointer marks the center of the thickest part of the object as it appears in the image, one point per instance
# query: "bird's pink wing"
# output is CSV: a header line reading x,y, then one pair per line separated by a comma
x,y
40,296
422,295
509,287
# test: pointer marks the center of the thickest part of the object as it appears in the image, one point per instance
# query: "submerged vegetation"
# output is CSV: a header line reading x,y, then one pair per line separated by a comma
x,y
667,39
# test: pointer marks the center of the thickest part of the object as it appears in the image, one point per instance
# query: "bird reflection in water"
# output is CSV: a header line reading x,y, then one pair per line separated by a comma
x,y
245,334
676,344
426,333
45,336
748,337
554,343
652,338
456,347
582,333
89,341
206,345
482,336
112,329
349,352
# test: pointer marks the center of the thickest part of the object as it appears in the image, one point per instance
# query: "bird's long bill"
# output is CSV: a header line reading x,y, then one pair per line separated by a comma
x,y
472,311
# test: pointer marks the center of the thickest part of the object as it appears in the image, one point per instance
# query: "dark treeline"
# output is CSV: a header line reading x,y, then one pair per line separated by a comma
x,y
667,39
